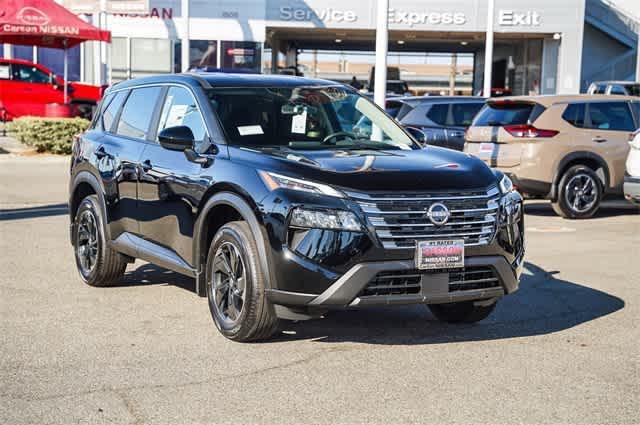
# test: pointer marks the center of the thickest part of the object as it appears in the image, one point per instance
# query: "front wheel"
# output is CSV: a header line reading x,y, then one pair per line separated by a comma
x,y
462,312
98,264
236,286
579,193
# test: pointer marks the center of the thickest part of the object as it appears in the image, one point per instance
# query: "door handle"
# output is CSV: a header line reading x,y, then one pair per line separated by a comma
x,y
598,139
146,165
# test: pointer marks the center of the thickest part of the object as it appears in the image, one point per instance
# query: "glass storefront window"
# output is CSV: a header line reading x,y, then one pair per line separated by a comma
x,y
118,52
203,54
54,60
238,55
150,56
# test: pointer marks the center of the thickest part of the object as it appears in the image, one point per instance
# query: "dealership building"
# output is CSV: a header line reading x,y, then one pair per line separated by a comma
x,y
540,46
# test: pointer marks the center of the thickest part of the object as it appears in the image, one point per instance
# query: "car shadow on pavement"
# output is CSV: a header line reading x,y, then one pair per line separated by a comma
x,y
544,304
150,274
33,212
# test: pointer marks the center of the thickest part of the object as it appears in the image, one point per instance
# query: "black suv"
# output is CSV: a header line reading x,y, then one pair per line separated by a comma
x,y
260,188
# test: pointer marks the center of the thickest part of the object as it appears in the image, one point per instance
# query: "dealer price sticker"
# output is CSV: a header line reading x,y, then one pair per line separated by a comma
x,y
440,254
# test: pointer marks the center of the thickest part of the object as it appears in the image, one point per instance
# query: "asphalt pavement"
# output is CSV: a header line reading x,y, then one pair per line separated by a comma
x,y
563,350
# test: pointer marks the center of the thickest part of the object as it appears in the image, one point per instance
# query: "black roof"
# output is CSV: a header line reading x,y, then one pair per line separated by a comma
x,y
219,79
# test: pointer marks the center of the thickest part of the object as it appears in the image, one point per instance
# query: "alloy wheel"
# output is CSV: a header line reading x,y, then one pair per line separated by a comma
x,y
87,241
229,282
581,193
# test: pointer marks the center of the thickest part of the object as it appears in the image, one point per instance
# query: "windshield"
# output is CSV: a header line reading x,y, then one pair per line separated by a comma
x,y
305,118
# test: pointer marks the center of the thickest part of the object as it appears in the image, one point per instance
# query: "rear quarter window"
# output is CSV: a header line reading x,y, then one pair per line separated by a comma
x,y
574,114
112,103
508,113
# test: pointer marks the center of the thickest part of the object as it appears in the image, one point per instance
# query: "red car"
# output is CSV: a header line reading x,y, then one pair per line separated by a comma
x,y
28,88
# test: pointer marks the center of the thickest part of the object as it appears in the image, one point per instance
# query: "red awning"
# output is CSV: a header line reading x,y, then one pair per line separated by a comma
x,y
44,23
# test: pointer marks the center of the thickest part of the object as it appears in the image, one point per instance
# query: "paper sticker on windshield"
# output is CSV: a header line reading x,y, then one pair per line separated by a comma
x,y
176,115
249,130
4,72
299,123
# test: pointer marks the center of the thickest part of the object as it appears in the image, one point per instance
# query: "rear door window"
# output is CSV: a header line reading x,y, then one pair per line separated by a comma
x,y
600,89
574,114
438,113
463,113
610,116
111,110
135,119
508,113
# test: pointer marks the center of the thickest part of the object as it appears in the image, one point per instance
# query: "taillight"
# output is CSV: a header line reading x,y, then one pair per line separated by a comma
x,y
528,131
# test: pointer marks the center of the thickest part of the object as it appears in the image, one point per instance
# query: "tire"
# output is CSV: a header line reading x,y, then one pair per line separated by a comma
x,y
579,193
106,266
462,312
240,308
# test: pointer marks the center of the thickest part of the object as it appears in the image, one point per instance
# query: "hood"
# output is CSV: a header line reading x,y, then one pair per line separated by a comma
x,y
429,169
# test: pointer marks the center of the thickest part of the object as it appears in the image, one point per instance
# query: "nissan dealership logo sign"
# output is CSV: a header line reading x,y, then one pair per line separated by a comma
x,y
32,16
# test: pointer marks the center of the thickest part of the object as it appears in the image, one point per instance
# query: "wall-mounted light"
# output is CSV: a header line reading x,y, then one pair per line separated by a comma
x,y
557,36
338,40
464,43
400,42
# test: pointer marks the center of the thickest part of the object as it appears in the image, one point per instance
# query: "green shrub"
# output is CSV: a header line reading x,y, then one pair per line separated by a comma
x,y
52,135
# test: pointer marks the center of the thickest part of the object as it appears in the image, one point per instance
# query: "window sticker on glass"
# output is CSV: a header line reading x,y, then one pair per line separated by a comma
x,y
249,130
4,72
176,115
299,123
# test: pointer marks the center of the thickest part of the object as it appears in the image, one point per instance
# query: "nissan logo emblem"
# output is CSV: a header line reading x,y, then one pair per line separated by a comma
x,y
439,214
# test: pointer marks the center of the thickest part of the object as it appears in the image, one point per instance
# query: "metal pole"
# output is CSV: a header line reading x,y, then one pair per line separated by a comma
x,y
185,36
452,74
638,60
65,72
488,50
382,44
103,45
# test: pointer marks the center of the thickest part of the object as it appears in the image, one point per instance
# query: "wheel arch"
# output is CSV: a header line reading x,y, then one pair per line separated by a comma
x,y
589,159
84,184
223,204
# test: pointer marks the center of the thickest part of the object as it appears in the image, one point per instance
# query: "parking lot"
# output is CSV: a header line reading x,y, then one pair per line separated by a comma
x,y
564,349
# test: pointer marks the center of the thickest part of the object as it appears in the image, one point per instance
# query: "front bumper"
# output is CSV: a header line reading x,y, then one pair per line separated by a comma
x,y
349,290
632,188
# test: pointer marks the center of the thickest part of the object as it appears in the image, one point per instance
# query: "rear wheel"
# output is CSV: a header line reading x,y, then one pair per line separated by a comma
x,y
462,312
236,286
579,193
98,264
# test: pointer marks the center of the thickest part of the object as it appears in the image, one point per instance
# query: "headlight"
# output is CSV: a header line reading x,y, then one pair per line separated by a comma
x,y
276,181
506,185
325,219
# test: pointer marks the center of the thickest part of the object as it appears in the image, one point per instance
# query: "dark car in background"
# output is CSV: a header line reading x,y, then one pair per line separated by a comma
x,y
443,120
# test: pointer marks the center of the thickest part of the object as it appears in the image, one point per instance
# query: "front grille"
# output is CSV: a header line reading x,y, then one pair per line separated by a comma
x,y
481,277
393,283
400,219
408,282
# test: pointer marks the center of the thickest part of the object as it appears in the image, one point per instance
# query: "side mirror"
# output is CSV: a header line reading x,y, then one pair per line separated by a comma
x,y
417,134
178,138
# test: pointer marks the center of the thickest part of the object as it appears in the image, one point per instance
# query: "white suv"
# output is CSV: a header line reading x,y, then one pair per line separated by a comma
x,y
632,176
